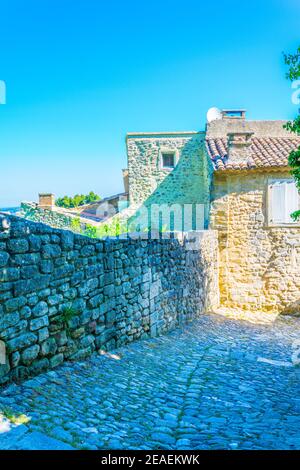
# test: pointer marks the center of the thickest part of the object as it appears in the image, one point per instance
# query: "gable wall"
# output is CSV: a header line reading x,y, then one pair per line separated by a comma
x,y
187,183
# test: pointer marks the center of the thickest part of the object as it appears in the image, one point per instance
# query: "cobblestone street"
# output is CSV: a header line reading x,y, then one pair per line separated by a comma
x,y
213,384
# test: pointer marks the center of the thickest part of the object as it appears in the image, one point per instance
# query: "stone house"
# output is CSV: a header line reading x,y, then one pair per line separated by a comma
x,y
238,170
169,169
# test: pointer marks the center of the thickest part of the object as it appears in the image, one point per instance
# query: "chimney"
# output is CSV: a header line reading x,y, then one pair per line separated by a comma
x,y
125,180
239,145
46,201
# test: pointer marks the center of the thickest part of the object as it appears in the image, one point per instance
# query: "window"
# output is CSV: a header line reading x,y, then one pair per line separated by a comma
x,y
168,159
283,200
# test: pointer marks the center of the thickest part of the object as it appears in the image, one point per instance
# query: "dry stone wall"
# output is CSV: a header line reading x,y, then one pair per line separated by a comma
x,y
32,212
63,295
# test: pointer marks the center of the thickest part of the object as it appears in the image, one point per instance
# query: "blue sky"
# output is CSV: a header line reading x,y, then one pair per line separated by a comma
x,y
80,74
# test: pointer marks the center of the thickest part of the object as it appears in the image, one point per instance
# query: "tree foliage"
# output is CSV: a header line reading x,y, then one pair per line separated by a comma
x,y
293,62
78,200
293,73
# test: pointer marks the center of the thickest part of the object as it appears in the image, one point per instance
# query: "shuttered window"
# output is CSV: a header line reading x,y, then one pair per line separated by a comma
x,y
284,199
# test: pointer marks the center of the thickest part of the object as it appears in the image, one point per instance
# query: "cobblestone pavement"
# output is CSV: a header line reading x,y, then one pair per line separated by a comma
x,y
213,384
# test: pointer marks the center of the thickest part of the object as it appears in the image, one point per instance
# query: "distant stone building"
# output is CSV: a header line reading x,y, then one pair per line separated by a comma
x,y
171,169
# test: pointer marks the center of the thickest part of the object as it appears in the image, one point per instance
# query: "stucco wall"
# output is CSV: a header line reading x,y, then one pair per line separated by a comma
x,y
63,295
187,183
259,265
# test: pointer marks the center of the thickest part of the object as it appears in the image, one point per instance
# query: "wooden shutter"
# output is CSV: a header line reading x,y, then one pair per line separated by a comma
x,y
278,202
284,199
291,200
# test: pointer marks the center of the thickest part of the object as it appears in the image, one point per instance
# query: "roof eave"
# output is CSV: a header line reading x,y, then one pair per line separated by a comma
x,y
261,169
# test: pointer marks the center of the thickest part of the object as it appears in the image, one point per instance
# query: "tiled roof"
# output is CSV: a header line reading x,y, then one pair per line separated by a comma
x,y
265,152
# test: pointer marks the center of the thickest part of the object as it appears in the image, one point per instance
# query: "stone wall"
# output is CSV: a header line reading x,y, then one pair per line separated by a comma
x,y
259,264
32,212
149,183
63,295
221,127
56,218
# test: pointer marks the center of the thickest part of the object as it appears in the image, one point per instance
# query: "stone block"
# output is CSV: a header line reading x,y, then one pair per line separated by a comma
x,y
46,266
34,242
27,259
48,347
31,285
67,240
50,251
18,245
43,334
40,309
29,354
38,323
61,338
55,299
9,274
56,360
15,303
39,366
4,257
27,272
9,320
22,341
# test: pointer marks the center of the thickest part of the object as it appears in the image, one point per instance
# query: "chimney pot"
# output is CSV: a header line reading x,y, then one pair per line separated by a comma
x,y
125,180
234,114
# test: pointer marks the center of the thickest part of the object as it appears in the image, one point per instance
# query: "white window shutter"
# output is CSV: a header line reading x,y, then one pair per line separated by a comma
x,y
291,200
278,202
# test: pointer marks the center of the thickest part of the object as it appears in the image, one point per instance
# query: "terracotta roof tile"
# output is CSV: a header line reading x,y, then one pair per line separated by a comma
x,y
265,152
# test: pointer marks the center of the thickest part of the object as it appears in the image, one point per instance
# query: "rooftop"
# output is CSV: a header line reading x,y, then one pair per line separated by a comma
x,y
270,144
265,152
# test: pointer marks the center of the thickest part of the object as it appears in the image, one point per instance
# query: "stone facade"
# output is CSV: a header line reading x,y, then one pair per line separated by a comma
x,y
63,295
150,183
259,263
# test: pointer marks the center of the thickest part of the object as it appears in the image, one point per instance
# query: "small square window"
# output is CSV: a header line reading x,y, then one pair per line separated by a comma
x,y
168,159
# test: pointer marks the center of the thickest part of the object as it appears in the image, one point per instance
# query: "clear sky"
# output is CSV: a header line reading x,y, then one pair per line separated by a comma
x,y
81,73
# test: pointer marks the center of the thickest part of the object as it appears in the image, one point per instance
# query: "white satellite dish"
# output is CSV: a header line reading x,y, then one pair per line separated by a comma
x,y
213,114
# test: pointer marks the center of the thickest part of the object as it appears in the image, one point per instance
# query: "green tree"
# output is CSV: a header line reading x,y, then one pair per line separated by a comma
x,y
63,202
92,197
293,73
78,200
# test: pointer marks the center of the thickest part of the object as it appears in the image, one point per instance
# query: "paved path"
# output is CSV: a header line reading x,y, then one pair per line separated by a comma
x,y
214,384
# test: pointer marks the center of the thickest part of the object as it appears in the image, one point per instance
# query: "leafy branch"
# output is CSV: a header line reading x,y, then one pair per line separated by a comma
x,y
293,73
